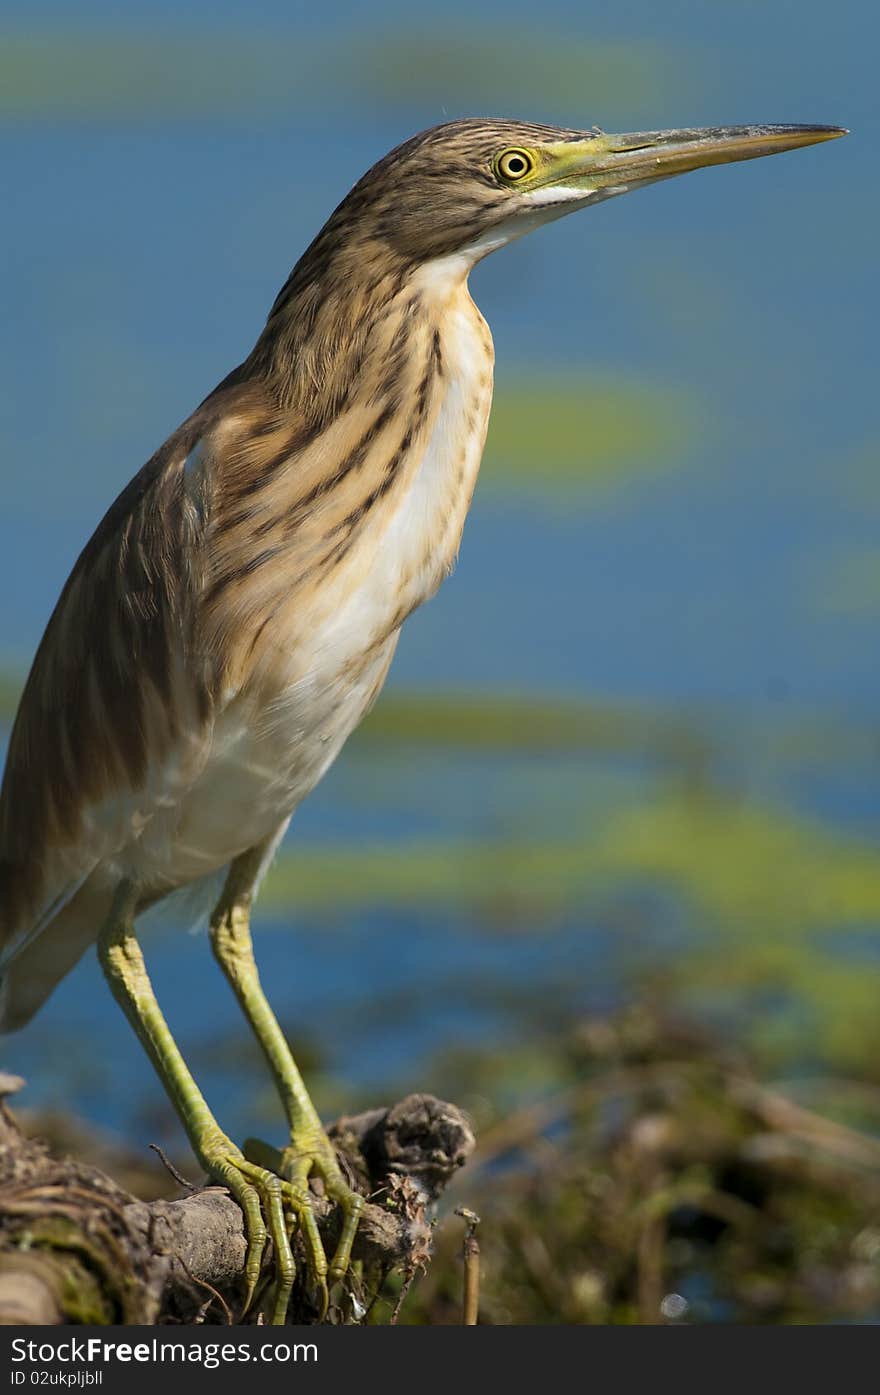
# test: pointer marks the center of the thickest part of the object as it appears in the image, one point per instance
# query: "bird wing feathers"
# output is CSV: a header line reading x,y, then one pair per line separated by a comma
x,y
117,708
156,631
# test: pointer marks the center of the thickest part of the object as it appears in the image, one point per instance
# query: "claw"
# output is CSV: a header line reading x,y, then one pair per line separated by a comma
x,y
352,1205
323,1293
261,1193
222,1163
272,1191
298,1163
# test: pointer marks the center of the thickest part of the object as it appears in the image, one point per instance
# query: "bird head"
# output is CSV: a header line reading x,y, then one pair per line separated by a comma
x,y
468,187
444,199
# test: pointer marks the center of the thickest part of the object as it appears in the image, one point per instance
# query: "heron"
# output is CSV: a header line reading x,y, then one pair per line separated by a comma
x,y
235,613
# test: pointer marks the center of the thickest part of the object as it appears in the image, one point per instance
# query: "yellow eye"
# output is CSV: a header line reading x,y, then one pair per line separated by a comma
x,y
513,165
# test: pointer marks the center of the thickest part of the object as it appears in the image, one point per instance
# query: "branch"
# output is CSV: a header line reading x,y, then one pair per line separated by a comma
x,y
75,1247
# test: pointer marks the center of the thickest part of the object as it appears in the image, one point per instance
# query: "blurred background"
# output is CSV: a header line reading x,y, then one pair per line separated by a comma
x,y
617,810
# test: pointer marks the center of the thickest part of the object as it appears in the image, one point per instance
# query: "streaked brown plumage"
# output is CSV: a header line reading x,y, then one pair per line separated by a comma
x,y
235,613
195,589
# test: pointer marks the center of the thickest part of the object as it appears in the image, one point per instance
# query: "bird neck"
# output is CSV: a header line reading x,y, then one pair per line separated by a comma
x,y
349,306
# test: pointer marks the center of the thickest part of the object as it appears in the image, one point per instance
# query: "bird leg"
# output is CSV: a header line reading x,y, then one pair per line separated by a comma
x,y
310,1151
262,1195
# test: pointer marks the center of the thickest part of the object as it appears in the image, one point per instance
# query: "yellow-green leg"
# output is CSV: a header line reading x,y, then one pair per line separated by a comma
x,y
310,1150
262,1195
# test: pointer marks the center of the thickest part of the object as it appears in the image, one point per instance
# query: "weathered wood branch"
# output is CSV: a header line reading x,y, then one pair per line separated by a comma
x,y
75,1247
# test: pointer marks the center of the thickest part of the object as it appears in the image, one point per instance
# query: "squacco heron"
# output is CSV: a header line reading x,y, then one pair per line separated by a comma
x,y
236,611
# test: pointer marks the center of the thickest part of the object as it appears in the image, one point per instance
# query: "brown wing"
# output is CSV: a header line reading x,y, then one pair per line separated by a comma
x,y
118,702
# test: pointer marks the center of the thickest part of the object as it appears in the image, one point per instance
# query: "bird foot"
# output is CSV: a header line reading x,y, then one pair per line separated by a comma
x,y
311,1154
273,1207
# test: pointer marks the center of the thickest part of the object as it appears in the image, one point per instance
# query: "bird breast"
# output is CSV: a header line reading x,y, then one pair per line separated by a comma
x,y
406,544
408,549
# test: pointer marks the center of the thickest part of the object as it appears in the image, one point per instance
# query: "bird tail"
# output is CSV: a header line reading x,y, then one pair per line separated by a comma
x,y
32,972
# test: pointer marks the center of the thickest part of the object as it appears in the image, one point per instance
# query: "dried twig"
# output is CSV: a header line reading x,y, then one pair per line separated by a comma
x,y
471,1255
170,1168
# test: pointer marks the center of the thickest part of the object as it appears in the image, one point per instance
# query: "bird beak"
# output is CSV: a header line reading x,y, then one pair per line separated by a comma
x,y
608,163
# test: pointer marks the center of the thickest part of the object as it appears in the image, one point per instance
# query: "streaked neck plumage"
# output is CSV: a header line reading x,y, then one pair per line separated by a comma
x,y
380,369
353,298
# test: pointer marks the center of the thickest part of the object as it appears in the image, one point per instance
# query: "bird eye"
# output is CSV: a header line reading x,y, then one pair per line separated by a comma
x,y
513,164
